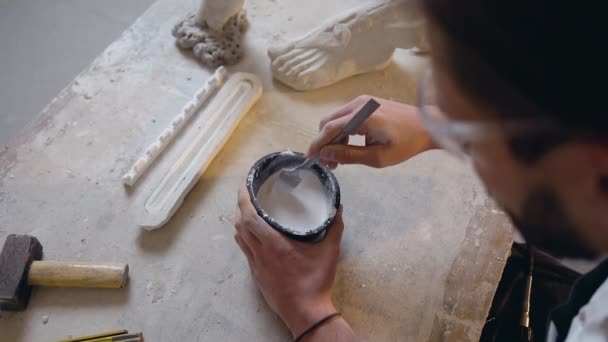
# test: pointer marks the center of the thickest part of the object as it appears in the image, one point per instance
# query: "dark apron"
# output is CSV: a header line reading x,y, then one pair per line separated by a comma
x,y
552,287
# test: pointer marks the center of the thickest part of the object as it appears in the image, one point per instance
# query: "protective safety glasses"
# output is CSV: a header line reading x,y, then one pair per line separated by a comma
x,y
457,136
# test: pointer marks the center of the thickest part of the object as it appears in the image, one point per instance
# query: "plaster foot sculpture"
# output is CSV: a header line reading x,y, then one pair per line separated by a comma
x,y
353,43
214,33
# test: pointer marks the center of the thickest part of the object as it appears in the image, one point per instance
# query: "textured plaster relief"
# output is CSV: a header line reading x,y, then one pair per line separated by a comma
x,y
214,33
165,138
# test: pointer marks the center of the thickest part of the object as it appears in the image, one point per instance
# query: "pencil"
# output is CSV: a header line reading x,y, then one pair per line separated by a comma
x,y
121,338
96,336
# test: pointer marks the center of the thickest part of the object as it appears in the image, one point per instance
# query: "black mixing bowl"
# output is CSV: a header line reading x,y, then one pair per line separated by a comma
x,y
277,161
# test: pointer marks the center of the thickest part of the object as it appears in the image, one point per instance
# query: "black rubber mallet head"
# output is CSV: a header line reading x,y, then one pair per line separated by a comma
x,y
17,255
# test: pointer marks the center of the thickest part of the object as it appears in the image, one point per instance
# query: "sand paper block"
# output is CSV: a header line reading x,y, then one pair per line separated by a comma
x,y
226,109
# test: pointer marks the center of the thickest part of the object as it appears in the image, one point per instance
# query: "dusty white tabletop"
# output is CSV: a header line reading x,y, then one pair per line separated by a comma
x,y
423,249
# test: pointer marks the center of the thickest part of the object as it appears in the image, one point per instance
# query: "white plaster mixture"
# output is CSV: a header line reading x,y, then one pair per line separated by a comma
x,y
304,208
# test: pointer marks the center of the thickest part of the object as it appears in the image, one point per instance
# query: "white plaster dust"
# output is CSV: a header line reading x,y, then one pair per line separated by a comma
x,y
304,208
156,290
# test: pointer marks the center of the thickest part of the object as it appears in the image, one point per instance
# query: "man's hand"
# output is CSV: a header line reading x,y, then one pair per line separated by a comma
x,y
393,134
294,277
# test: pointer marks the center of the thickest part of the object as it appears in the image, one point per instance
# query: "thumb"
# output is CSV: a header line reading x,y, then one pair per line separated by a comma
x,y
334,233
347,154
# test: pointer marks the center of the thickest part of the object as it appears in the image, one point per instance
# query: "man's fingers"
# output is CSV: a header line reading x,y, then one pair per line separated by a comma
x,y
347,154
332,124
347,109
244,247
244,202
244,211
334,234
245,233
327,134
329,164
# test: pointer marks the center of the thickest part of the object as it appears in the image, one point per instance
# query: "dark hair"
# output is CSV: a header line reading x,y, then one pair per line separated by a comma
x,y
529,59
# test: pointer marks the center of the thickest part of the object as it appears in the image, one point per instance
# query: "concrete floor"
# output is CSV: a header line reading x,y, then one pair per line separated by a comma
x,y
45,44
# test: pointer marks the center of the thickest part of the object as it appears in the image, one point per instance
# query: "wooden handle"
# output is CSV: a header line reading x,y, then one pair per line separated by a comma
x,y
78,274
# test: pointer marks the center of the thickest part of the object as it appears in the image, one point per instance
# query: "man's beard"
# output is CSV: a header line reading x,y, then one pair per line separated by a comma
x,y
545,224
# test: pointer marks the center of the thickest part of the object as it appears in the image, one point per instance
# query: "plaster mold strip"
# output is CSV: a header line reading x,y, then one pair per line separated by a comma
x,y
228,107
165,138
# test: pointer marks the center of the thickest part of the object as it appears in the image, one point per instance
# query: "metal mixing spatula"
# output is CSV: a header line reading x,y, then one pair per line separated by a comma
x,y
291,177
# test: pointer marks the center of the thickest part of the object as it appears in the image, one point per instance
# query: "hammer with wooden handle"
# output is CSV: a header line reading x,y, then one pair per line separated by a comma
x,y
20,270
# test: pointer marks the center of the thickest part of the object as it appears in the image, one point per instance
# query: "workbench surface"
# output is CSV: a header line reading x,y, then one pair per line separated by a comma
x,y
423,248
